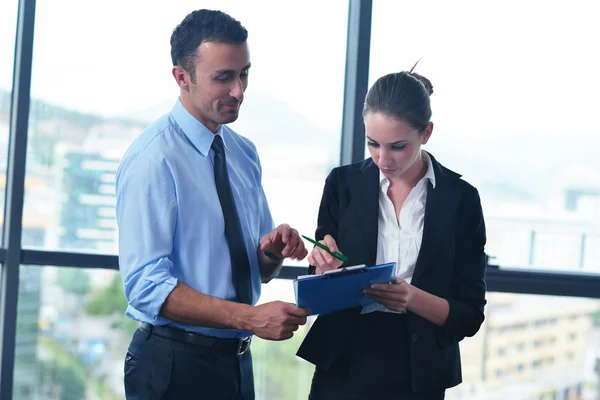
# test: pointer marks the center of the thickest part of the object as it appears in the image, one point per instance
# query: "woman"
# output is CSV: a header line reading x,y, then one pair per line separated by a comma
x,y
399,205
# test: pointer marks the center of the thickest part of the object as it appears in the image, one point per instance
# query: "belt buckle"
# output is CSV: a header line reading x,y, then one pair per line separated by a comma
x,y
243,346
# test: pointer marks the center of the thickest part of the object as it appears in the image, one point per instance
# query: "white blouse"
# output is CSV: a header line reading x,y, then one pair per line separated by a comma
x,y
399,239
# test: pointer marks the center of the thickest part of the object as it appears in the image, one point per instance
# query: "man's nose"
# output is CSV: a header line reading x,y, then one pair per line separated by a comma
x,y
237,91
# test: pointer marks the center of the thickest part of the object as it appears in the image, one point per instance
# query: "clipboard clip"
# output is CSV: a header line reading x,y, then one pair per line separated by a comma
x,y
345,271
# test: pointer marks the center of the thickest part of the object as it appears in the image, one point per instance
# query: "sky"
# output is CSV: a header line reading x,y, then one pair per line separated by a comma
x,y
516,83
520,66
113,57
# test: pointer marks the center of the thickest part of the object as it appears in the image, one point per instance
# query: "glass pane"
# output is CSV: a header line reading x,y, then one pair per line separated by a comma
x,y
278,373
72,334
89,104
8,26
533,347
529,346
515,85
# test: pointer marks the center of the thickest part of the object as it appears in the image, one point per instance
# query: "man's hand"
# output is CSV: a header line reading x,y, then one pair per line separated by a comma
x,y
276,320
284,242
395,296
321,259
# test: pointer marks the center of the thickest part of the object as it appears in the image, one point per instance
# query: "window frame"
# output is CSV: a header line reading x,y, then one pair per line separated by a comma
x,y
352,144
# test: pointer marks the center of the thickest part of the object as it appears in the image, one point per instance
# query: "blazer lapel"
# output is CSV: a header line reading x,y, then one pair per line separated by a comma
x,y
366,207
440,208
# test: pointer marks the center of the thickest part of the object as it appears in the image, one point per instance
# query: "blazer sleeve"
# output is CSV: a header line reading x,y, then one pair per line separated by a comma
x,y
328,219
467,297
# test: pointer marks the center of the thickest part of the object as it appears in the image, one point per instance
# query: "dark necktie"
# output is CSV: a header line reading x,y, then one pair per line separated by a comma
x,y
233,230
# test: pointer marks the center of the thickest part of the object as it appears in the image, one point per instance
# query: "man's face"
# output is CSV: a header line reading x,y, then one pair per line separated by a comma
x,y
217,90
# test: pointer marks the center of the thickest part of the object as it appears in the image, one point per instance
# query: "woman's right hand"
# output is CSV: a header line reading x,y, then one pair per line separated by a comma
x,y
322,260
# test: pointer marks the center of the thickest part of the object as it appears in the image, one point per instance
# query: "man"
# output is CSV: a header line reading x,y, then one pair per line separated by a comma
x,y
196,237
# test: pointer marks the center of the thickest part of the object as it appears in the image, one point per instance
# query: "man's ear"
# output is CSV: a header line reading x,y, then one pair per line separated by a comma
x,y
181,77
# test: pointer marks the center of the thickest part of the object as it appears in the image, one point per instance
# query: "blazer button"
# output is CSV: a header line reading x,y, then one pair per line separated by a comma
x,y
414,337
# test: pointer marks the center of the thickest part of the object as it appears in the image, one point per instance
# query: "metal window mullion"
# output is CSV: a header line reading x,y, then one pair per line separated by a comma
x,y
15,186
358,50
67,259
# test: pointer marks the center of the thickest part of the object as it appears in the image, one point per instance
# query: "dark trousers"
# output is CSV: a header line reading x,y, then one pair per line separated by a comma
x,y
374,366
160,368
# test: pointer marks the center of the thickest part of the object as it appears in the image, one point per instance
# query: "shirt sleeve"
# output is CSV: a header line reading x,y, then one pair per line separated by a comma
x,y
146,216
266,220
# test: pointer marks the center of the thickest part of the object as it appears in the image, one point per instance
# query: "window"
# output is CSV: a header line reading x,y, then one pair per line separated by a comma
x,y
278,373
94,90
72,335
511,107
528,369
8,26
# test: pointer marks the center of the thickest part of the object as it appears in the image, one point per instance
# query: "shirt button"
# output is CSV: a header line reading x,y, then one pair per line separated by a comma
x,y
414,337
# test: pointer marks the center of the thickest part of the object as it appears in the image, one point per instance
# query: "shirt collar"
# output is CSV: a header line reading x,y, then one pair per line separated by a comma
x,y
200,136
430,174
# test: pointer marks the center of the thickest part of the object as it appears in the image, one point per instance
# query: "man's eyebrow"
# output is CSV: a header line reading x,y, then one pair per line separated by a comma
x,y
230,71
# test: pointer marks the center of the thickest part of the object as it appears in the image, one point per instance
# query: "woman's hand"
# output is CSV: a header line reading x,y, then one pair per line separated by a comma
x,y
322,260
395,296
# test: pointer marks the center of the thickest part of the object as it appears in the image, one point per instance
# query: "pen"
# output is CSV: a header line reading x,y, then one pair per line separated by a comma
x,y
337,255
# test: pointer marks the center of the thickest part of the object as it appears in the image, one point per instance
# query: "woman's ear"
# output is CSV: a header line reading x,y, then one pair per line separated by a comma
x,y
427,133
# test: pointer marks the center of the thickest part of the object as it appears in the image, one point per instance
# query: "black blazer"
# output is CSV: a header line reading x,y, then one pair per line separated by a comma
x,y
451,264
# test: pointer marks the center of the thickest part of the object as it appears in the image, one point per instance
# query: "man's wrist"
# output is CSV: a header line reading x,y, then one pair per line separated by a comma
x,y
243,318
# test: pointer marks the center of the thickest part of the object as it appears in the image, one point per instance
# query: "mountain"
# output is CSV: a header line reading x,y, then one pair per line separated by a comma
x,y
42,110
262,118
515,166
281,134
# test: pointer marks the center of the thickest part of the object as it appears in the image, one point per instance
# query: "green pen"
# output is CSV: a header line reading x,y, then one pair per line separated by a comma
x,y
337,255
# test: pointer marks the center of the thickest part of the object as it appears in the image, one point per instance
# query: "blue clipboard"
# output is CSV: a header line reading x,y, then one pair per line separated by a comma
x,y
340,289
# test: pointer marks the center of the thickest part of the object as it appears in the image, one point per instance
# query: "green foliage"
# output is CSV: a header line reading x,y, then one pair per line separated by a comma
x,y
109,300
42,147
278,373
74,280
596,318
125,324
64,373
72,383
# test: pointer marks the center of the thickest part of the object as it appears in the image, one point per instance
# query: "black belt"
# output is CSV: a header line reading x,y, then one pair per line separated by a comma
x,y
227,346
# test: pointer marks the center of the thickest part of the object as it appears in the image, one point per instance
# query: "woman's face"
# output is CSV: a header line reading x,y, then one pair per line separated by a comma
x,y
394,144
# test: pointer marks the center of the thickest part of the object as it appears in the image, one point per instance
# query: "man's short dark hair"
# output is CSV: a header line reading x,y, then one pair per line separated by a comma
x,y
203,26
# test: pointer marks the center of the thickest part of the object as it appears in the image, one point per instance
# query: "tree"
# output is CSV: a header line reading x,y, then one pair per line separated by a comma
x,y
62,380
111,301
72,383
74,280
596,318
42,147
278,373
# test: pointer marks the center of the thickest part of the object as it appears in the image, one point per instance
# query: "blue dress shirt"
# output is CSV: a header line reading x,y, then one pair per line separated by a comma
x,y
170,220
